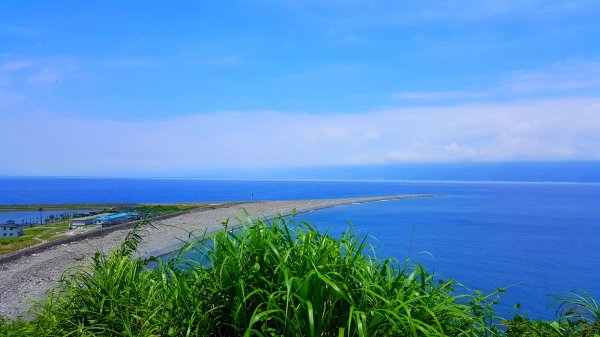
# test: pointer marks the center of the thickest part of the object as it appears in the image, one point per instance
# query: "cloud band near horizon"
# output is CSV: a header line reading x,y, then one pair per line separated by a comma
x,y
46,144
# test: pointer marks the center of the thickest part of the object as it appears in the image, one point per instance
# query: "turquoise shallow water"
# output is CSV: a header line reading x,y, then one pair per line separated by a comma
x,y
534,239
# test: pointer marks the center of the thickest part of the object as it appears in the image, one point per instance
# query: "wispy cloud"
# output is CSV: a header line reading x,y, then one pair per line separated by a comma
x,y
560,129
437,95
20,31
127,63
13,66
578,77
563,75
355,14
23,80
45,76
36,71
474,10
9,99
9,71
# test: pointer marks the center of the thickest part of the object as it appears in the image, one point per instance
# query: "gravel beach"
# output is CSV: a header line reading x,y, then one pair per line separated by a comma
x,y
27,278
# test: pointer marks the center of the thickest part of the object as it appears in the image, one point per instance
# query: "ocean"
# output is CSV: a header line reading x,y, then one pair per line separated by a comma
x,y
534,239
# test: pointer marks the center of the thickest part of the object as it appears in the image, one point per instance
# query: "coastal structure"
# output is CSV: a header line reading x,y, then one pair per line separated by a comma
x,y
10,230
87,220
115,219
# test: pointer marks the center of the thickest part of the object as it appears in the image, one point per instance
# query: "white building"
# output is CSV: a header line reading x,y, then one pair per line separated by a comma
x,y
87,220
10,230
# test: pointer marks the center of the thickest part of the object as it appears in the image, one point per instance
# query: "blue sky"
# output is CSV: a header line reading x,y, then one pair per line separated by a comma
x,y
165,88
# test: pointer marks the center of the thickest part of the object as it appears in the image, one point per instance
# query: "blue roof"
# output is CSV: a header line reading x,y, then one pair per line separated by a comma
x,y
116,216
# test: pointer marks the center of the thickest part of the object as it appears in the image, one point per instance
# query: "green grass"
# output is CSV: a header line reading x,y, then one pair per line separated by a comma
x,y
157,210
276,279
33,236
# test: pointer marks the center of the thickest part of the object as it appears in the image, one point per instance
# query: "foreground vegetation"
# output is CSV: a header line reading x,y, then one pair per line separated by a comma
x,y
276,279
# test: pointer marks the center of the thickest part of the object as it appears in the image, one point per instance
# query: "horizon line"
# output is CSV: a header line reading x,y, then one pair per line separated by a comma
x,y
366,180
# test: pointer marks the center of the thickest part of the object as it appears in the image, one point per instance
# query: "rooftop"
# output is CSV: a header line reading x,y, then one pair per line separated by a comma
x,y
91,217
116,216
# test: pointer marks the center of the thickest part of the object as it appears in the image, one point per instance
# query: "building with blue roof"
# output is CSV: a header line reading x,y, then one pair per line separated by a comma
x,y
116,219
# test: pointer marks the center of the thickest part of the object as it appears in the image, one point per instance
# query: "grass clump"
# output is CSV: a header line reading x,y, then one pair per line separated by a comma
x,y
263,279
157,210
580,317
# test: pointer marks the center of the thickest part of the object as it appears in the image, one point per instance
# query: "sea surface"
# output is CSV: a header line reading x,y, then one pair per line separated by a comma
x,y
534,239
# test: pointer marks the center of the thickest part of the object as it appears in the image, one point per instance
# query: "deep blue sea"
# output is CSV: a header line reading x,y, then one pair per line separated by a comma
x,y
535,239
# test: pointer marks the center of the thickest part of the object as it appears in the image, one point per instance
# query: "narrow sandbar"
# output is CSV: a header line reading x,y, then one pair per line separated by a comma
x,y
28,277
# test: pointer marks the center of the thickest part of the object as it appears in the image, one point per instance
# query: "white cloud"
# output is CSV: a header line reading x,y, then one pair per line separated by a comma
x,y
559,129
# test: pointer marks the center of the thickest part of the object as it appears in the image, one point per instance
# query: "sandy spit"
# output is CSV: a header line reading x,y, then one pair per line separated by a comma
x,y
28,278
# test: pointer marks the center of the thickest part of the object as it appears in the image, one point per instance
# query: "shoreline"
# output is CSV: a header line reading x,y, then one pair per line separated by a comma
x,y
85,206
27,277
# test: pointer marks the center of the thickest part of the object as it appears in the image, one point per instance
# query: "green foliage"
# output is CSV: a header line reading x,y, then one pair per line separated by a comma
x,y
580,318
294,281
269,279
521,326
579,306
154,210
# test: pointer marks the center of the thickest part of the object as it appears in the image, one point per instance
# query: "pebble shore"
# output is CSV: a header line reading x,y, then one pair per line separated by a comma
x,y
29,277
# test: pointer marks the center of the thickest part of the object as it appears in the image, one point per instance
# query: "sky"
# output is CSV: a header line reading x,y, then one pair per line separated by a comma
x,y
163,88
